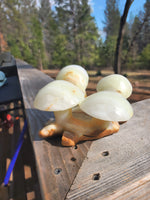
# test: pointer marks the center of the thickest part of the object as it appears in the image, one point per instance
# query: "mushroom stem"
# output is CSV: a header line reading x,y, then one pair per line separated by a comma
x,y
62,116
56,128
86,128
78,126
50,130
71,139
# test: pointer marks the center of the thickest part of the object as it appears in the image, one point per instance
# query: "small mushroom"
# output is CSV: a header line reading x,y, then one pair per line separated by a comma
x,y
2,78
107,105
59,96
74,74
115,82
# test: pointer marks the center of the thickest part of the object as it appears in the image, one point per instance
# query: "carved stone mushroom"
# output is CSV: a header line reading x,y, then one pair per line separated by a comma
x,y
74,74
59,96
98,118
115,82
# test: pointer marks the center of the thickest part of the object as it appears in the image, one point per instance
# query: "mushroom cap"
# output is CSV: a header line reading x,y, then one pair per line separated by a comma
x,y
115,82
2,78
107,105
57,96
74,74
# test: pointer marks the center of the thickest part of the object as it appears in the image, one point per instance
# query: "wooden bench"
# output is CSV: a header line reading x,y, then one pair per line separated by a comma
x,y
114,167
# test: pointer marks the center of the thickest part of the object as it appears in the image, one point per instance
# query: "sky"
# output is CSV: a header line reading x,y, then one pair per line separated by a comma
x,y
98,7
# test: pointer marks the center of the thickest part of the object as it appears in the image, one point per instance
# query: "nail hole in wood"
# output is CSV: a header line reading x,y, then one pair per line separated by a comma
x,y
75,147
105,153
96,176
58,171
73,159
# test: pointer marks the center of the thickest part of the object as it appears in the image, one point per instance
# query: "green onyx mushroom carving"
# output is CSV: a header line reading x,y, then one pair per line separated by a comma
x,y
79,118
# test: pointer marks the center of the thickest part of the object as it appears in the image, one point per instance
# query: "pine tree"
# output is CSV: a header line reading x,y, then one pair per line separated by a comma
x,y
146,27
112,18
76,23
36,43
145,57
23,30
46,18
139,37
2,17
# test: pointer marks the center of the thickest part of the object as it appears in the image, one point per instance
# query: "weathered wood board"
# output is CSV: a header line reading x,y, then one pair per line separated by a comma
x,y
57,166
115,167
122,161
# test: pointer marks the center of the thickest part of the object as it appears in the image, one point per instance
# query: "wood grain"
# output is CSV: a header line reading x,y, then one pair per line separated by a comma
x,y
51,157
115,167
137,190
127,161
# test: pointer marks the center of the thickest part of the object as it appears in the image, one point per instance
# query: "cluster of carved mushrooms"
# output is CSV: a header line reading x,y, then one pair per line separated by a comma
x,y
79,117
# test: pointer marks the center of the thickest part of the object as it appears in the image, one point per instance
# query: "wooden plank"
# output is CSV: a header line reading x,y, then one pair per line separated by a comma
x,y
57,166
30,179
17,191
136,190
117,162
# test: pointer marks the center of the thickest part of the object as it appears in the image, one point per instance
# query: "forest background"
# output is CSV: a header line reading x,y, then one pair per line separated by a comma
x,y
49,37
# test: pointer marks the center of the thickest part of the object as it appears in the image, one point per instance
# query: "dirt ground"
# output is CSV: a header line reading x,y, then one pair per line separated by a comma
x,y
140,81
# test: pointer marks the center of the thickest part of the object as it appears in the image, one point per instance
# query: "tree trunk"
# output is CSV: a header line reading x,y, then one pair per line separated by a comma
x,y
40,65
117,62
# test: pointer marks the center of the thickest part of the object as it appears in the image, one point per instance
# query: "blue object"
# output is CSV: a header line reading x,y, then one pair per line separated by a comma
x,y
13,161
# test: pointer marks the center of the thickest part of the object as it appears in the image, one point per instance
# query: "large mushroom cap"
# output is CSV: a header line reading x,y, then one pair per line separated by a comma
x,y
74,74
57,96
107,105
2,78
115,82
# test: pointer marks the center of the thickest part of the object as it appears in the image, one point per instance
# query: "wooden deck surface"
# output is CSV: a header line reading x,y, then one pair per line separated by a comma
x,y
57,166
114,167
95,170
127,162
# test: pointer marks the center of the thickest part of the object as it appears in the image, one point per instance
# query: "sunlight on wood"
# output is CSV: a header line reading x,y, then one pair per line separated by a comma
x,y
27,171
30,195
11,131
7,165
